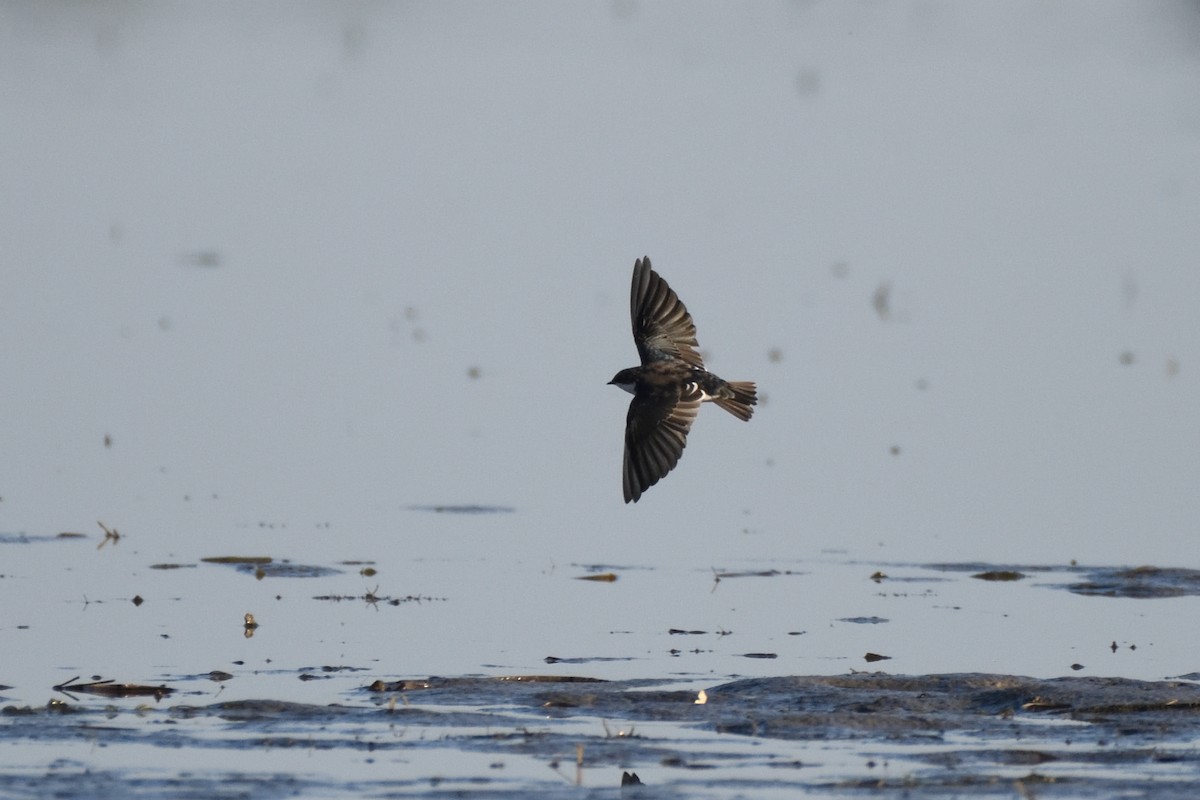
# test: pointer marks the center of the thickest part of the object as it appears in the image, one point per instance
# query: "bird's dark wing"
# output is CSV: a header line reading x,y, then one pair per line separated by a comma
x,y
656,432
662,327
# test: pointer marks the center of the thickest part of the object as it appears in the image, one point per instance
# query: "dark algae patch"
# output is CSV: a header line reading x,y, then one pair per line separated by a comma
x,y
999,575
955,735
1144,583
1139,582
266,567
251,727
824,706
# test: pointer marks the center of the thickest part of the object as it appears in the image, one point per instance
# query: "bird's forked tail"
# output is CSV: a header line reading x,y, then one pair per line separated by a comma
x,y
738,398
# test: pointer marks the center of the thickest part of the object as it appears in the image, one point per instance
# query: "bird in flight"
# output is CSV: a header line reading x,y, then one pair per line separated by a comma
x,y
669,386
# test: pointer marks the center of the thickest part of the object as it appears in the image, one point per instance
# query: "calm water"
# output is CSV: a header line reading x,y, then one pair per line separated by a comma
x,y
387,686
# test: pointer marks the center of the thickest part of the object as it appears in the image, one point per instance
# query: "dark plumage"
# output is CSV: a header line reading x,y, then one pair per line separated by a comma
x,y
669,386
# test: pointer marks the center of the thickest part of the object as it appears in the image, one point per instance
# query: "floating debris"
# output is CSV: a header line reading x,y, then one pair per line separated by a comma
x,y
603,577
372,598
1040,704
765,573
110,535
109,688
237,560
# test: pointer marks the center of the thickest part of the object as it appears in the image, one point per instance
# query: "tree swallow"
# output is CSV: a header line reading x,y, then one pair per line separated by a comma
x,y
669,386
